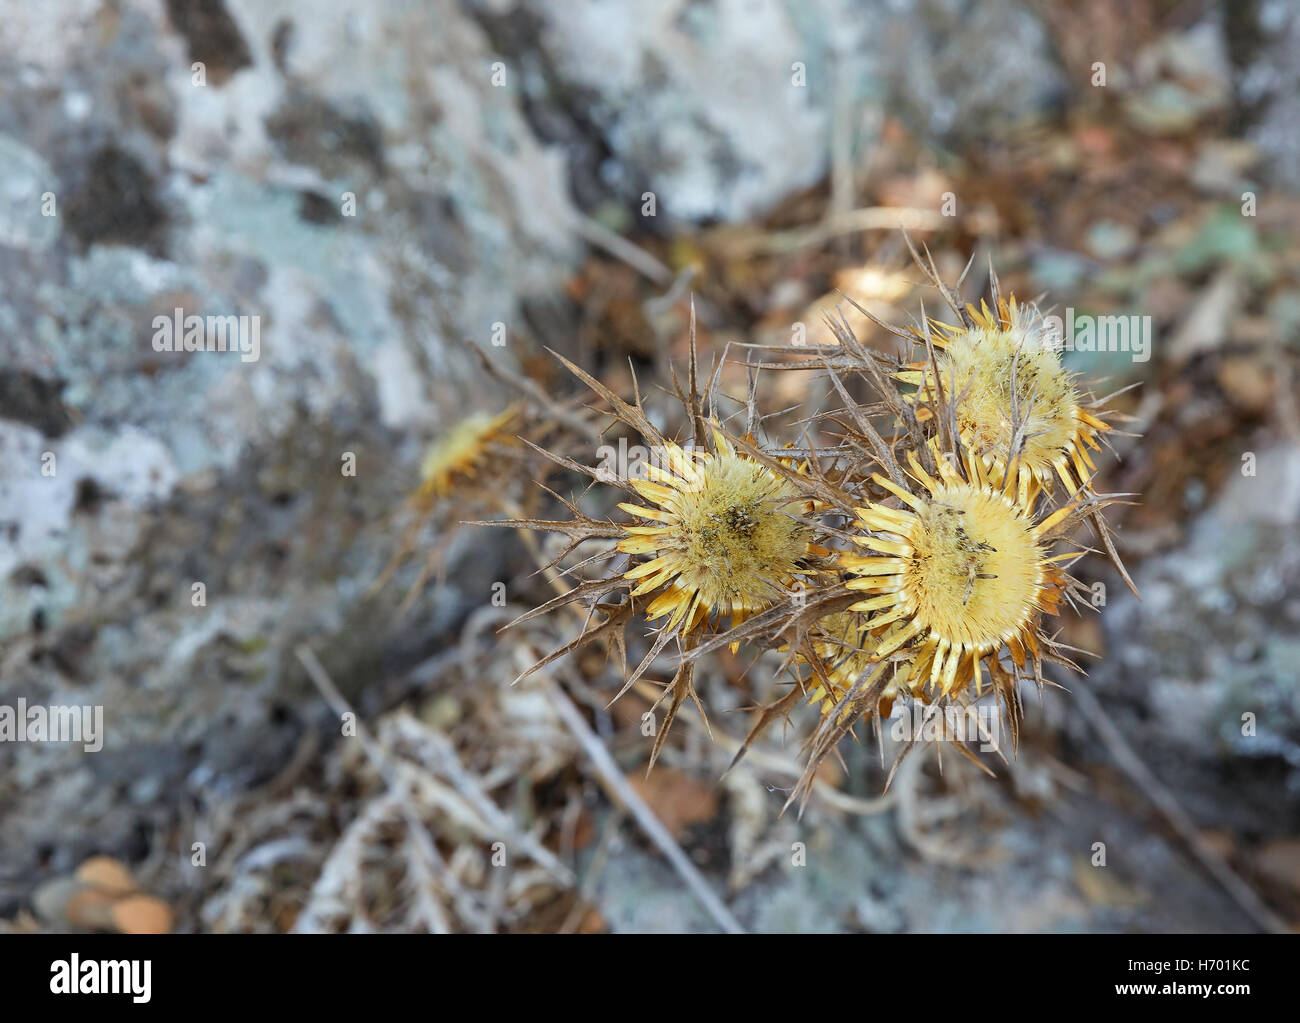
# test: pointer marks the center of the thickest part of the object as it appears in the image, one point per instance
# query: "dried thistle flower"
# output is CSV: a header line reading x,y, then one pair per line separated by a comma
x,y
923,564
1014,404
716,539
467,461
956,576
723,543
954,585
459,456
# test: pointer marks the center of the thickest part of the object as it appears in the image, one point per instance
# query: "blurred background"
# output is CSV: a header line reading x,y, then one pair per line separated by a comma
x,y
390,187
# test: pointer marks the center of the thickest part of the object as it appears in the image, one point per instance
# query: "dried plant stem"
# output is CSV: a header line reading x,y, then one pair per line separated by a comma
x,y
618,789
595,233
788,766
867,218
433,864
561,413
450,766
587,889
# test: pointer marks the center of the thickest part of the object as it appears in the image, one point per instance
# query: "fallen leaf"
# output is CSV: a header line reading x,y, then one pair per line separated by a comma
x,y
677,799
1279,861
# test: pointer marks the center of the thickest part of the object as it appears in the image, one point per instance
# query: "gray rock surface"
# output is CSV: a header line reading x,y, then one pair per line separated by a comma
x,y
1216,637
132,474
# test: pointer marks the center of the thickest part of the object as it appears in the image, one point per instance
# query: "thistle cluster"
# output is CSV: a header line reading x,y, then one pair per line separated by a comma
x,y
912,544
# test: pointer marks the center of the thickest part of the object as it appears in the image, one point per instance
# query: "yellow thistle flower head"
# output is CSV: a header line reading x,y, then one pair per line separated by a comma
x,y
723,540
958,574
1013,400
458,455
